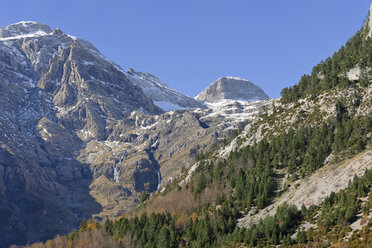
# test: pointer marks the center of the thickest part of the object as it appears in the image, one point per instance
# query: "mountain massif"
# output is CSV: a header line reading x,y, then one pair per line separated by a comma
x,y
81,138
298,173
83,141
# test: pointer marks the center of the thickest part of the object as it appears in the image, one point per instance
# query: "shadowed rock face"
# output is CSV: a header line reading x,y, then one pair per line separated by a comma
x,y
79,139
231,88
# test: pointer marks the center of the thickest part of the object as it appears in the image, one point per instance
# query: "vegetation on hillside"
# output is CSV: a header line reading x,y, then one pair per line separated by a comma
x,y
203,212
249,174
332,73
216,228
330,222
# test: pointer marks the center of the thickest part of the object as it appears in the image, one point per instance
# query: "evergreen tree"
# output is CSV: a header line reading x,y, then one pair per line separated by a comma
x,y
301,237
163,238
83,224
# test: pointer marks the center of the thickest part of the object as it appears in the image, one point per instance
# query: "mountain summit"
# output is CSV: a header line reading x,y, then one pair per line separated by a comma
x,y
24,28
231,88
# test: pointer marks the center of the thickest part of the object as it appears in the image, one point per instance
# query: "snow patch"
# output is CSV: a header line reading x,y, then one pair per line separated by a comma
x,y
236,78
31,35
111,143
88,63
168,106
161,94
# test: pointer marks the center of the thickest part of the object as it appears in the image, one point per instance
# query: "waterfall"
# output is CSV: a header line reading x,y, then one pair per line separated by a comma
x,y
159,179
117,171
116,174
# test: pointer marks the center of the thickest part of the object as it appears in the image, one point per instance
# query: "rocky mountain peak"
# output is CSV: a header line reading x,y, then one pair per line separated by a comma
x,y
24,28
232,88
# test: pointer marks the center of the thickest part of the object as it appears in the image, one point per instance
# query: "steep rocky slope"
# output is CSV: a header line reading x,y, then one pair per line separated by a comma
x,y
161,94
57,92
231,88
144,153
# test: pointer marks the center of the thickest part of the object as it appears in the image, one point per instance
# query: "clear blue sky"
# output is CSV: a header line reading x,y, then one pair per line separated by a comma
x,y
190,43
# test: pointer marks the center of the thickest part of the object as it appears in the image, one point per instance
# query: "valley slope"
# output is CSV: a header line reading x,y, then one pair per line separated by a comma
x,y
297,175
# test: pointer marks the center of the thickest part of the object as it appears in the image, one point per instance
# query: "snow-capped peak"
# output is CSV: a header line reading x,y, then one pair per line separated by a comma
x,y
233,88
25,28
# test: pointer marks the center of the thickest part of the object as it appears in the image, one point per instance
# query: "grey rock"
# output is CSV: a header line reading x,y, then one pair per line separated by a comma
x,y
368,24
161,94
24,28
232,88
53,86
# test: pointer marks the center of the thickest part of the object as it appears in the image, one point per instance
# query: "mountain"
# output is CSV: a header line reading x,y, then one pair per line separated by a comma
x,y
298,174
81,138
292,172
231,88
144,153
57,93
163,96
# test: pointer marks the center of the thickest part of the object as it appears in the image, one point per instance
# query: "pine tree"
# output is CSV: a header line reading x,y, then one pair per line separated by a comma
x,y
301,237
83,224
201,184
361,192
274,238
163,238
108,226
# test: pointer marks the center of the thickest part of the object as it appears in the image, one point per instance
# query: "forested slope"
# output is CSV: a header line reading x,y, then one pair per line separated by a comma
x,y
323,121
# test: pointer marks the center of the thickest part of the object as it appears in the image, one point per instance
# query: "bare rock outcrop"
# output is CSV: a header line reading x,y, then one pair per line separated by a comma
x,y
231,88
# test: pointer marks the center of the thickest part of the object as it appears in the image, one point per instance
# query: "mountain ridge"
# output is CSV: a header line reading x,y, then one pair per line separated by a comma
x,y
162,95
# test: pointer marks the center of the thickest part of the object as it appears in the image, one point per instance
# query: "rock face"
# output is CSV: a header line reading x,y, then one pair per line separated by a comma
x,y
231,88
57,92
164,97
81,138
29,28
